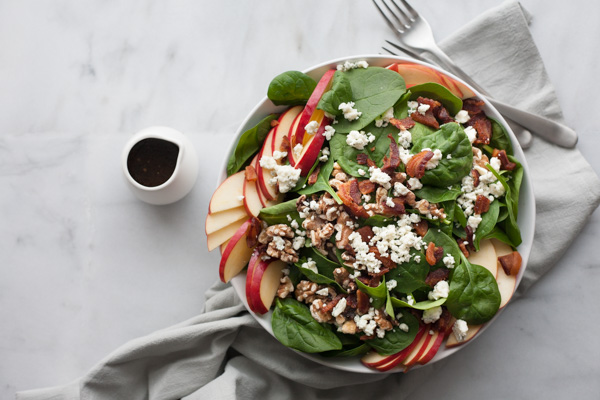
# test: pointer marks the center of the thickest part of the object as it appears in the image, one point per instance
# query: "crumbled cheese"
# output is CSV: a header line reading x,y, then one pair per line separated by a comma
x,y
364,258
415,184
471,133
298,149
462,117
339,308
359,140
449,261
431,315
312,127
449,156
268,162
362,64
279,243
488,187
380,333
366,198
390,202
309,264
403,327
294,224
385,118
361,172
322,292
278,155
460,329
350,113
325,154
474,221
287,177
435,160
298,242
400,189
366,322
495,163
422,108
404,154
392,283
329,132
440,291
412,107
410,300
417,259
348,65
404,138
380,177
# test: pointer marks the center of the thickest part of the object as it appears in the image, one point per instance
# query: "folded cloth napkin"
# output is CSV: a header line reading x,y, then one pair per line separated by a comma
x,y
224,353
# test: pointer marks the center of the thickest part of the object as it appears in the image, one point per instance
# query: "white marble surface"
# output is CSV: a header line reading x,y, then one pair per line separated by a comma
x,y
84,266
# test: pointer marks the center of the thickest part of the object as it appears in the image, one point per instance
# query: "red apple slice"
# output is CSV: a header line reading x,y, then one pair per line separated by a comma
x,y
219,220
373,359
254,260
418,350
415,74
401,356
219,237
506,283
311,106
223,246
486,256
228,194
432,349
268,191
236,254
307,157
471,332
265,282
286,120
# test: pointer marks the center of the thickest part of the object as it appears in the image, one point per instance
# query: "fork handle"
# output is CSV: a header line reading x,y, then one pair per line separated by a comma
x,y
548,129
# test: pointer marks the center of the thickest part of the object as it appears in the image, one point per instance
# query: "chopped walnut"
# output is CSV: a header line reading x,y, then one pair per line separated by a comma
x,y
277,238
344,228
382,322
305,291
349,327
285,287
317,312
428,209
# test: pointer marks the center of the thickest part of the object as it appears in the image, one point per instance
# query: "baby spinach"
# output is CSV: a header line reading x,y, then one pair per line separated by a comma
x,y
374,90
421,305
322,183
409,275
324,264
500,139
449,139
509,225
396,340
499,234
340,92
437,92
278,214
294,326
474,295
317,277
351,351
459,216
488,222
249,143
378,294
379,220
420,130
438,194
449,207
291,88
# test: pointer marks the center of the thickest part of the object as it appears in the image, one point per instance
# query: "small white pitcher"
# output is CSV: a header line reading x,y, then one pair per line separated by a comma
x,y
181,180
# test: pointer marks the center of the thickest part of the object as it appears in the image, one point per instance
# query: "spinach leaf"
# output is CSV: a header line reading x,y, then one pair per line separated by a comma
x,y
500,139
389,307
396,340
449,207
509,225
378,294
295,275
499,234
340,92
474,295
374,90
420,130
437,92
291,88
250,142
488,222
278,213
515,185
459,216
379,220
294,326
450,139
438,194
446,242
353,351
421,305
318,277
324,264
303,179
410,275
322,183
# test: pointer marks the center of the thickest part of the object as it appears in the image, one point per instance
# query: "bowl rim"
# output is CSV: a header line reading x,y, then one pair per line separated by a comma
x,y
353,364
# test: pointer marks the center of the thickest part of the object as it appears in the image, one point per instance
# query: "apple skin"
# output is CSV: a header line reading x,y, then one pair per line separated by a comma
x,y
401,356
286,121
254,260
219,220
419,350
219,237
311,150
228,194
415,74
429,354
265,282
236,254
311,106
269,192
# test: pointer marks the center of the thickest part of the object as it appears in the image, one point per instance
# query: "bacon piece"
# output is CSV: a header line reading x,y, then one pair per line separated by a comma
x,y
511,263
367,186
274,123
475,174
350,196
483,126
390,164
463,247
433,255
473,105
312,179
362,302
398,208
252,232
329,305
398,177
285,144
351,300
482,204
374,281
505,163
440,274
416,166
403,124
470,233
371,163
421,227
444,324
427,119
251,174
442,115
361,158
366,233
386,261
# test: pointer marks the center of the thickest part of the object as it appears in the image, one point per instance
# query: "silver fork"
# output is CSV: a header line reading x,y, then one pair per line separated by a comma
x,y
416,39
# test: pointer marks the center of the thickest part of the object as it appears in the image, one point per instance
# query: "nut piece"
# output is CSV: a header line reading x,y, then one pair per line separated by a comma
x,y
318,313
430,210
305,291
285,287
277,238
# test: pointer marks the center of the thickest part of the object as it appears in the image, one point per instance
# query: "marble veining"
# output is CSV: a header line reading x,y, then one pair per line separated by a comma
x,y
84,266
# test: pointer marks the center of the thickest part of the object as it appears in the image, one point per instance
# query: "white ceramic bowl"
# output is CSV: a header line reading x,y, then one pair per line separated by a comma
x,y
526,203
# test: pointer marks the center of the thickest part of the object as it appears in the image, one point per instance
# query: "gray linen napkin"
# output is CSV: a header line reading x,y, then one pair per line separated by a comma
x,y
224,353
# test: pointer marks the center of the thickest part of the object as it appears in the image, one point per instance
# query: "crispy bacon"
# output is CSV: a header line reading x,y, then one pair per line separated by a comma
x,y
435,276
511,263
483,126
329,305
470,236
251,174
274,123
390,164
398,208
403,124
433,255
475,174
444,324
285,145
482,204
473,105
427,119
361,158
350,195
505,163
416,166
421,227
351,300
442,115
463,247
362,302
312,179
252,232
366,233
398,177
367,186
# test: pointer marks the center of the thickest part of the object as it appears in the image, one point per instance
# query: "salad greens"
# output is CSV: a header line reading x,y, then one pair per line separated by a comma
x,y
391,241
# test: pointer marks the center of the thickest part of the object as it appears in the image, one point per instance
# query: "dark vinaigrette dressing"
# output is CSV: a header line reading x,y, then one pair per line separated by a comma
x,y
151,162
